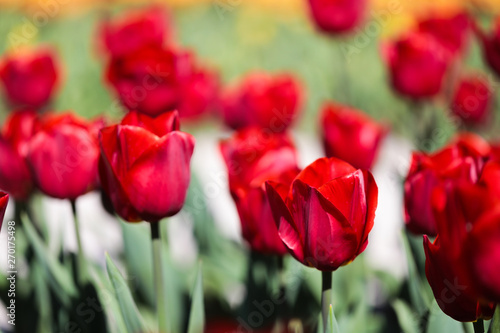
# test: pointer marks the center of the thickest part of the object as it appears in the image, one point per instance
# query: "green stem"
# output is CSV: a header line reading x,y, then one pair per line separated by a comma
x,y
81,262
326,297
344,78
161,309
478,326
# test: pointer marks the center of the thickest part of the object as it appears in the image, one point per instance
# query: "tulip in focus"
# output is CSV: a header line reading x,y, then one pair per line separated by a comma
x,y
472,100
29,79
325,216
144,166
252,158
337,16
63,155
350,135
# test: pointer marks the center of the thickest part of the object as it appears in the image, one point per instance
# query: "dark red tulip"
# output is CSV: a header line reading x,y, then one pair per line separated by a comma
x,y
337,16
4,200
29,79
149,79
262,100
325,216
63,155
341,124
461,160
253,157
144,166
135,30
15,176
449,30
472,100
491,46
417,64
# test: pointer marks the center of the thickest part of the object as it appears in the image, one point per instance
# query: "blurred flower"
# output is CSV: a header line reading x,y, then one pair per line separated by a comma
x,y
341,124
449,30
15,176
263,100
495,152
135,30
336,16
417,64
252,158
462,160
472,100
491,45
144,166
63,155
29,79
4,200
325,216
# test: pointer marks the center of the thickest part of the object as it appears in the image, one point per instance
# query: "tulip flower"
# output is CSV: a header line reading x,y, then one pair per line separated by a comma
x,y
491,46
337,16
472,100
144,166
15,175
262,100
462,160
341,124
29,79
252,158
417,64
135,30
4,200
325,216
63,155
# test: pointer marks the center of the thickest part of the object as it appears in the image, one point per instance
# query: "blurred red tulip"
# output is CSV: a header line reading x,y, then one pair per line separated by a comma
x,y
350,135
472,100
253,157
15,176
495,152
135,30
4,200
262,100
29,79
491,46
325,216
461,160
144,166
337,16
417,64
148,80
63,155
449,30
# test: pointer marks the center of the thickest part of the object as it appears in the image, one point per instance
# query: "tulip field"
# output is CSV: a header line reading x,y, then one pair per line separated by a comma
x,y
224,166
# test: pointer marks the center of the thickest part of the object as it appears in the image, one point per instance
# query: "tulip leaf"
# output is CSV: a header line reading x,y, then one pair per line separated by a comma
x,y
414,282
61,278
495,322
130,313
439,322
333,327
407,319
197,313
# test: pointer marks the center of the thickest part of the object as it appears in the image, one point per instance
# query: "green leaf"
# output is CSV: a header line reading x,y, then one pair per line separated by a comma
x,y
439,322
495,322
197,313
130,314
333,327
415,284
408,320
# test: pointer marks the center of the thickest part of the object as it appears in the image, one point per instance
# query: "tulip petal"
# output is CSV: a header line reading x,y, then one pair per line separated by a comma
x,y
161,125
4,200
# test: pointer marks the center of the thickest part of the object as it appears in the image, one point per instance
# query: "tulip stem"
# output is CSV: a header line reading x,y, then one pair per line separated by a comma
x,y
478,326
326,297
158,277
80,259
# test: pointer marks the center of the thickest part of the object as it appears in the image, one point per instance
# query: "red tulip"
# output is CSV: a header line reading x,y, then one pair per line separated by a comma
x,y
262,100
63,155
449,30
495,152
252,158
472,100
325,216
418,64
341,124
461,160
491,46
144,166
15,176
29,79
4,200
135,30
337,16
149,80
